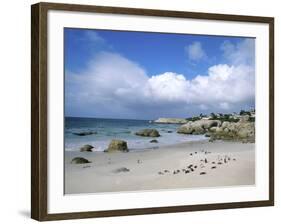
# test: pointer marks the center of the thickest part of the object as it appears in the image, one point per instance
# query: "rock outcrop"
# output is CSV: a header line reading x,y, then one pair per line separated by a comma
x,y
243,130
240,131
86,148
79,160
170,120
148,133
117,146
198,127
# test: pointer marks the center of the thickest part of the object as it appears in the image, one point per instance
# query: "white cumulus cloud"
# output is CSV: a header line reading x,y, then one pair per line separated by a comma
x,y
241,53
195,51
113,85
222,86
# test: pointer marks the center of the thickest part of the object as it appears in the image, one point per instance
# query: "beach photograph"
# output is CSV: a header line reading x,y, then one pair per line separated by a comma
x,y
147,111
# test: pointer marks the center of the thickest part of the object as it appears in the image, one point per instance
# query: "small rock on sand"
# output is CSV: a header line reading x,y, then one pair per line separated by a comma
x,y
121,170
117,145
79,160
202,173
153,141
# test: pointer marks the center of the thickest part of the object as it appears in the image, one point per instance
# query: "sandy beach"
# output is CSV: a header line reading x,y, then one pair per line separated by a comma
x,y
184,165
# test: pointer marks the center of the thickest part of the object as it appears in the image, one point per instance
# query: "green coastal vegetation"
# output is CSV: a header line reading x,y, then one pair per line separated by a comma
x,y
230,117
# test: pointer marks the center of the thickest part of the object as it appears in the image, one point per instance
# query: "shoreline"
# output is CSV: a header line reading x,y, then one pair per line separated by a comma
x,y
153,169
153,146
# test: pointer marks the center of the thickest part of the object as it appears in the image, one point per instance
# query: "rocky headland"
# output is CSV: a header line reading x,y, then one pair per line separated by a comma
x,y
242,129
170,120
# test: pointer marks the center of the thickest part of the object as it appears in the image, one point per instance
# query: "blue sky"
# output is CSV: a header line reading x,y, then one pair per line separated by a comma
x,y
142,75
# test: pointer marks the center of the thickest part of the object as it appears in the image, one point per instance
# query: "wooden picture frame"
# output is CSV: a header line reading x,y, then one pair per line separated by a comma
x,y
39,110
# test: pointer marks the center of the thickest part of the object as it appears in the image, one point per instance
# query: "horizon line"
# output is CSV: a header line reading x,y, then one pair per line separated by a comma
x,y
111,118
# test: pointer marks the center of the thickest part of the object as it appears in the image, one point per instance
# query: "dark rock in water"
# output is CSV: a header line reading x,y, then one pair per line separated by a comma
x,y
85,133
195,167
121,170
117,146
160,173
202,173
79,160
86,148
169,131
219,163
206,161
148,133
166,171
187,171
213,167
153,141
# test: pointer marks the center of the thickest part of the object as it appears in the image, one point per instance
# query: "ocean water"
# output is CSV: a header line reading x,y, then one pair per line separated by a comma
x,y
124,129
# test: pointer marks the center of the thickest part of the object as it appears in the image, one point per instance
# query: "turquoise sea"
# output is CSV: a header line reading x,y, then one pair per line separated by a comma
x,y
108,129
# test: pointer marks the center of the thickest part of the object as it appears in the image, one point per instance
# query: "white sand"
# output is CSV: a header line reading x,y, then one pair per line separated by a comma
x,y
144,167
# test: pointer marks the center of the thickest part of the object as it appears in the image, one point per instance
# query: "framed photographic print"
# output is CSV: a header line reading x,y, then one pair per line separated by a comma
x,y
140,111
